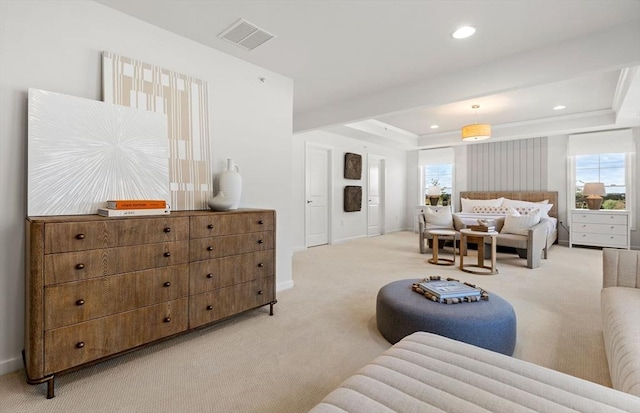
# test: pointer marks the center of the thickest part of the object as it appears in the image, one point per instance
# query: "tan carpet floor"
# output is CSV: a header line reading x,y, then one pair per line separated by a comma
x,y
323,330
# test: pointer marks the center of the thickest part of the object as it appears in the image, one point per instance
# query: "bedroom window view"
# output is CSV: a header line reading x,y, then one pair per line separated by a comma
x,y
437,183
608,168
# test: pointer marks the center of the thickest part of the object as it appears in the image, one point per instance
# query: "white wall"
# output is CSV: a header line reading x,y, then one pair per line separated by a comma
x,y
348,225
57,46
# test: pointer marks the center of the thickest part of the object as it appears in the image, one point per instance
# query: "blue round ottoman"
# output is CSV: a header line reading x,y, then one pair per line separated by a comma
x,y
487,324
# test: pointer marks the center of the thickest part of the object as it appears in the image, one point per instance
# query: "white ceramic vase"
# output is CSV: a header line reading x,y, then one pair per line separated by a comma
x,y
230,183
220,202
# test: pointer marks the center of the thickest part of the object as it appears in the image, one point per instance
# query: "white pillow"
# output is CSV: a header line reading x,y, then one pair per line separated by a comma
x,y
544,206
520,224
441,218
468,204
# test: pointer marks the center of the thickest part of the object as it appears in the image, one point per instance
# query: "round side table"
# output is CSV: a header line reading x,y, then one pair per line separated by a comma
x,y
443,234
464,233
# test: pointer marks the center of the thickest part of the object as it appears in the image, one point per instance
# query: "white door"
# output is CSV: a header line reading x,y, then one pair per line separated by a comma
x,y
375,196
317,183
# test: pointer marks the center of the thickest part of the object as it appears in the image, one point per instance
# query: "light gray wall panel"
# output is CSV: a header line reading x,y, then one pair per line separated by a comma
x,y
508,166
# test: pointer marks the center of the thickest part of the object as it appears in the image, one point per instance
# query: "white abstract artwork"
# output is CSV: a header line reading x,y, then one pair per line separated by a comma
x,y
83,152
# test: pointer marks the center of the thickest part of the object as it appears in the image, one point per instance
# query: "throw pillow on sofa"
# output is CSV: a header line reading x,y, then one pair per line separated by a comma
x,y
441,218
520,224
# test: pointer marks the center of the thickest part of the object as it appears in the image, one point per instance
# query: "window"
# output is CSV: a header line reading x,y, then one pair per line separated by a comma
x,y
608,168
607,157
436,167
438,175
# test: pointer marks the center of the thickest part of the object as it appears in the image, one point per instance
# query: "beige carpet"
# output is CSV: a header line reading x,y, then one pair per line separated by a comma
x,y
323,330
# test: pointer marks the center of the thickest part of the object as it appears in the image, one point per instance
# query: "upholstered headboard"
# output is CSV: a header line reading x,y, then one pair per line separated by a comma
x,y
531,196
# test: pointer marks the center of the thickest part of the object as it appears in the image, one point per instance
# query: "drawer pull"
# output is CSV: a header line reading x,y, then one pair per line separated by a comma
x,y
79,266
80,302
167,254
80,236
260,292
261,222
209,248
209,275
260,241
167,319
210,226
80,344
260,265
167,230
167,284
209,307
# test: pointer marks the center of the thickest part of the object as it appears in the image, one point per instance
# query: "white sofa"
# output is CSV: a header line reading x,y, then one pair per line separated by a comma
x,y
620,303
425,372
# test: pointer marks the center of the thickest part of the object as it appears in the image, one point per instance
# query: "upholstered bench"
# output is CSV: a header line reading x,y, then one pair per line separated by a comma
x,y
487,324
428,373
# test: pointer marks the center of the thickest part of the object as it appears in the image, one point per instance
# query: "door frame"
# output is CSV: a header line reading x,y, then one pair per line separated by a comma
x,y
329,151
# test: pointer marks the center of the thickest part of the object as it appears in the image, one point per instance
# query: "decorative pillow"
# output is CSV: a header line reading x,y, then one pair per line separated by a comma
x,y
520,224
544,206
490,210
441,218
524,210
468,204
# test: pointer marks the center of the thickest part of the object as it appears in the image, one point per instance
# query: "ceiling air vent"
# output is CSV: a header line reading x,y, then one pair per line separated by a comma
x,y
245,34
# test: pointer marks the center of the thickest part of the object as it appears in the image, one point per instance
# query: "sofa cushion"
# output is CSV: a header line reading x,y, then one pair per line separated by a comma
x,y
428,373
520,224
441,218
468,204
621,331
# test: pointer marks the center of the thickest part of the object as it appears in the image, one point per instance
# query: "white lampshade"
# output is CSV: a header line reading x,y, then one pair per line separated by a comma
x,y
594,188
433,191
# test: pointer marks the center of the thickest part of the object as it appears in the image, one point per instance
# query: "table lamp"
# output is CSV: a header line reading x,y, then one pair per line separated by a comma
x,y
594,192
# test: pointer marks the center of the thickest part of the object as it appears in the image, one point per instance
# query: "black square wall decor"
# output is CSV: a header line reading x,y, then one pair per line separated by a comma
x,y
352,166
352,198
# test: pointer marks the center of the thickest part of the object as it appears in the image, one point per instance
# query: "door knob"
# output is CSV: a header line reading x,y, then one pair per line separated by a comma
x,y
308,202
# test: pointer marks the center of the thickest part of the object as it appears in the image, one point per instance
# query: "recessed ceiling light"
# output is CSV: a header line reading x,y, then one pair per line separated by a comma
x,y
559,107
463,32
434,126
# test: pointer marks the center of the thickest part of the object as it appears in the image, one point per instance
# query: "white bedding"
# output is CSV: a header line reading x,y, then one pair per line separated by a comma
x,y
469,218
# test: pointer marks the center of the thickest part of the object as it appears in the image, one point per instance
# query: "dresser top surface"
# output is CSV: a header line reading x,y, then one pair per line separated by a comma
x,y
173,214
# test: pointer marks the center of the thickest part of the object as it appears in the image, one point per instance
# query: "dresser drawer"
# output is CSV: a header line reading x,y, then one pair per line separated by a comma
x,y
220,272
214,225
208,248
601,240
74,345
74,302
76,266
606,229
208,307
254,293
599,218
110,232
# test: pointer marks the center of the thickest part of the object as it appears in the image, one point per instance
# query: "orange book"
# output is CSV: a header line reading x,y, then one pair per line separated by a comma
x,y
137,204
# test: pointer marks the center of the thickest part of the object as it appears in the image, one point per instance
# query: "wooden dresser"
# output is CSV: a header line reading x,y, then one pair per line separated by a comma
x,y
97,287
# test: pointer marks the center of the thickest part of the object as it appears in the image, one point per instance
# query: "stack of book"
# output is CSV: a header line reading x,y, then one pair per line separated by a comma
x,y
134,207
482,228
449,291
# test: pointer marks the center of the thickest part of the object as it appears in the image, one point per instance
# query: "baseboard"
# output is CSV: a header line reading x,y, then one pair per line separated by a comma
x,y
299,249
10,365
284,286
340,241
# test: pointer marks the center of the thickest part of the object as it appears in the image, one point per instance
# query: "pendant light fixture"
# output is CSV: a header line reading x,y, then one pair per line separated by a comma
x,y
477,131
